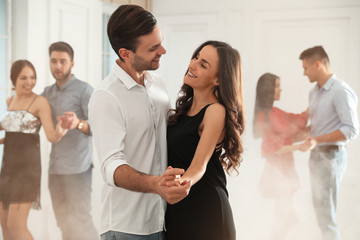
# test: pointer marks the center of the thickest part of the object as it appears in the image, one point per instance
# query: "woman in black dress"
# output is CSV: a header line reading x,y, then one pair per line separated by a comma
x,y
21,166
204,139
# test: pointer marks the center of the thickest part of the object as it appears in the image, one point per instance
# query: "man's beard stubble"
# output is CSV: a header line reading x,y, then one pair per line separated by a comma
x,y
65,76
140,64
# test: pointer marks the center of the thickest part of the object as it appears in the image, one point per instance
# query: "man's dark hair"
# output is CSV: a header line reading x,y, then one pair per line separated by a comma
x,y
62,47
126,24
316,53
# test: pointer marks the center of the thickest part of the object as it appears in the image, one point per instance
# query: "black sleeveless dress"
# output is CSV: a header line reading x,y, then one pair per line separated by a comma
x,y
205,214
21,166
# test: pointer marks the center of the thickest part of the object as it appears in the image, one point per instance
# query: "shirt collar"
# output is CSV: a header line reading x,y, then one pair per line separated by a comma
x,y
329,82
128,81
67,83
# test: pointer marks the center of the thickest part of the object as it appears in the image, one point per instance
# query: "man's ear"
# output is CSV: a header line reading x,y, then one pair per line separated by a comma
x,y
318,64
125,54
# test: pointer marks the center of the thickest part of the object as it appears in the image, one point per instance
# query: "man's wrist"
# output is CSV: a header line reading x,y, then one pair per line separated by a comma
x,y
316,140
80,125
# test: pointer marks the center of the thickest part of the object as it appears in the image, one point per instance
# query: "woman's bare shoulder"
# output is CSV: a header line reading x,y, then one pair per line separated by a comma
x,y
216,109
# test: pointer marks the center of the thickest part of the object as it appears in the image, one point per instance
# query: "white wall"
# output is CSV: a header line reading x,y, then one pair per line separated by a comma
x,y
270,35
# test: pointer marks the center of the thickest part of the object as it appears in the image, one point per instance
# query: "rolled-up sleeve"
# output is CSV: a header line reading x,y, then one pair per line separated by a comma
x,y
346,107
84,102
109,132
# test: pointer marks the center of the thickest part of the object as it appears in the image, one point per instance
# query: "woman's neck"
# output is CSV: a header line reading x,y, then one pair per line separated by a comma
x,y
24,96
200,100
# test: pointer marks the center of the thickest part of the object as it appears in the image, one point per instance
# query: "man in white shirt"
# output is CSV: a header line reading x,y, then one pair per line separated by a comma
x,y
128,114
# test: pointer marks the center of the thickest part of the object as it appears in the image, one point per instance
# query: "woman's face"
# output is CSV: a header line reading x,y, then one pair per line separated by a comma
x,y
277,90
203,69
26,80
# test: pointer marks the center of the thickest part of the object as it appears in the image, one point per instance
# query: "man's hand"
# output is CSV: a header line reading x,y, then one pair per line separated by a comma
x,y
171,187
69,120
309,144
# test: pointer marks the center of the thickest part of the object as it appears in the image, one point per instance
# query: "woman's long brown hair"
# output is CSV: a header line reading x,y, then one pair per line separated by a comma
x,y
264,102
230,95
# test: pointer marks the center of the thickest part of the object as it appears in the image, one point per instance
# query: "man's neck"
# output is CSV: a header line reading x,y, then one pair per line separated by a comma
x,y
61,82
138,77
323,78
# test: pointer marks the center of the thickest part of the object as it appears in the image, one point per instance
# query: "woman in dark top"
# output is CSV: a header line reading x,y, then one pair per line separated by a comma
x,y
21,166
204,139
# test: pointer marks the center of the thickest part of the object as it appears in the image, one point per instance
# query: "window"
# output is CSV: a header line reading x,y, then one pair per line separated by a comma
x,y
108,54
4,40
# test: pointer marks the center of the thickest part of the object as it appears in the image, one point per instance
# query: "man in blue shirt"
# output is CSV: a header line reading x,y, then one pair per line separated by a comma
x,y
70,168
334,121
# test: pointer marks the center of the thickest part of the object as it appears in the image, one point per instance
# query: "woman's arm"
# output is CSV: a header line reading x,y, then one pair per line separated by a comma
x,y
213,127
8,100
288,148
302,135
44,113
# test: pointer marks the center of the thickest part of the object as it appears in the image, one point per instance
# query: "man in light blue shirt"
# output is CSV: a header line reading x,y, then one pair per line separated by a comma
x,y
334,122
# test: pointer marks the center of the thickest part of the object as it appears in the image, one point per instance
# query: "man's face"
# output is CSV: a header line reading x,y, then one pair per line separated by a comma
x,y
310,69
60,65
148,52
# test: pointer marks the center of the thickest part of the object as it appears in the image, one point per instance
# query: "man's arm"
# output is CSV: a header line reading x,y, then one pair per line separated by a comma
x,y
71,121
346,109
311,142
109,132
131,179
346,104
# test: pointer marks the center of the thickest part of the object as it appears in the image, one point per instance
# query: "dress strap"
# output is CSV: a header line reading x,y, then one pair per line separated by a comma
x,y
204,108
11,99
219,145
31,102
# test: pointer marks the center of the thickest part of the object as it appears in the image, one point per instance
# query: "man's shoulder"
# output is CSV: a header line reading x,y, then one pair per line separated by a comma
x,y
82,84
341,86
47,89
111,85
78,81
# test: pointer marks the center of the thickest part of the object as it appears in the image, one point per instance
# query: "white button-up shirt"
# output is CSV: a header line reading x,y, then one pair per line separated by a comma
x,y
128,123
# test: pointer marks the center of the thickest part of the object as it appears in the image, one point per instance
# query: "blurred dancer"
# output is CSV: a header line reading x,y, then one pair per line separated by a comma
x,y
277,129
20,176
70,168
334,122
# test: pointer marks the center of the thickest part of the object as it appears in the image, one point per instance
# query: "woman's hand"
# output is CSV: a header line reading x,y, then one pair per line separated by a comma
x,y
60,131
171,187
171,180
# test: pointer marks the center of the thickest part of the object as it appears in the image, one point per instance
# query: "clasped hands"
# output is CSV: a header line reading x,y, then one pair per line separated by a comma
x,y
309,144
171,185
69,120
